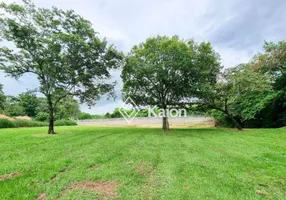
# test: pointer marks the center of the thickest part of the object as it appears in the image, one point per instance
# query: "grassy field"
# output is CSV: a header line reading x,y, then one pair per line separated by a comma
x,y
142,163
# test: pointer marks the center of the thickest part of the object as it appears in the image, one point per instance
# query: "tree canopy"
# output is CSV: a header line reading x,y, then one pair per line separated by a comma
x,y
165,72
61,48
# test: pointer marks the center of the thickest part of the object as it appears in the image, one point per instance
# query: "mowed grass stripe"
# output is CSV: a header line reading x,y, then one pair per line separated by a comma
x,y
146,163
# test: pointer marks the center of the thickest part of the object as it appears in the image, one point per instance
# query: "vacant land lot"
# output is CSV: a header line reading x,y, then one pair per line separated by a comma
x,y
142,163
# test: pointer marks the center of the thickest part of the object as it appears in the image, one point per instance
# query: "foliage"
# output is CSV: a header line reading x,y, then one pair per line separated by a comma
x,y
273,60
221,120
5,123
29,101
2,99
165,71
42,105
65,123
67,108
42,117
107,115
83,116
28,123
61,49
13,107
240,94
248,91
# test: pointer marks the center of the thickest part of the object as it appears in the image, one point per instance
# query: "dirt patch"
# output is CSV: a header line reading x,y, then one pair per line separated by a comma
x,y
104,188
6,117
263,192
144,169
42,196
9,176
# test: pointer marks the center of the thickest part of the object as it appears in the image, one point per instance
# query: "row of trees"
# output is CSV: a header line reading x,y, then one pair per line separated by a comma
x,y
169,72
29,104
64,52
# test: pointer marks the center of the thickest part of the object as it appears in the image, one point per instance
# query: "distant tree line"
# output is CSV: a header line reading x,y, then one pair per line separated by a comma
x,y
29,104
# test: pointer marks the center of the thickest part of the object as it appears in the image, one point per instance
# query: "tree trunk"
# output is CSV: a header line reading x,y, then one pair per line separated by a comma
x,y
51,123
51,118
165,124
237,125
165,121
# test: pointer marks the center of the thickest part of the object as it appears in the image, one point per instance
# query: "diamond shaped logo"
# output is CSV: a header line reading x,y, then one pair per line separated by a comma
x,y
129,104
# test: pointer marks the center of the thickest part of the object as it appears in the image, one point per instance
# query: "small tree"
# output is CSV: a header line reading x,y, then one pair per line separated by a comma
x,y
61,49
13,107
29,101
166,72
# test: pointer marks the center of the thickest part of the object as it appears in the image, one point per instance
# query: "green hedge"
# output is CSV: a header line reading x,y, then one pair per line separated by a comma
x,y
29,123
5,123
65,123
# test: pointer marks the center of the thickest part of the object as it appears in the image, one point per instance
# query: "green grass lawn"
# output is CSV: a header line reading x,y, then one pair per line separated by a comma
x,y
142,163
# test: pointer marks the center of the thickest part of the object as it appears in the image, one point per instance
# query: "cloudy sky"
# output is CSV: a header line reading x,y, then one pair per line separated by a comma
x,y
237,29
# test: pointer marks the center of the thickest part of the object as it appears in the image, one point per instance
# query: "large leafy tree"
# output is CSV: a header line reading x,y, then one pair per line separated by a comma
x,y
61,48
165,72
240,94
273,62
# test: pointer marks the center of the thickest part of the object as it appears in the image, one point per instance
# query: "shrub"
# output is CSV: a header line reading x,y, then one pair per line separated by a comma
x,y
65,123
83,116
221,119
42,116
29,123
5,123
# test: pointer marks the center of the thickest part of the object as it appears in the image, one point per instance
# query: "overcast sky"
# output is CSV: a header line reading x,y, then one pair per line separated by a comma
x,y
237,29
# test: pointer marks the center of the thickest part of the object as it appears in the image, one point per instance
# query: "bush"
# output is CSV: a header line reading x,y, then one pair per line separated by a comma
x,y
29,123
65,123
5,123
42,117
221,119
